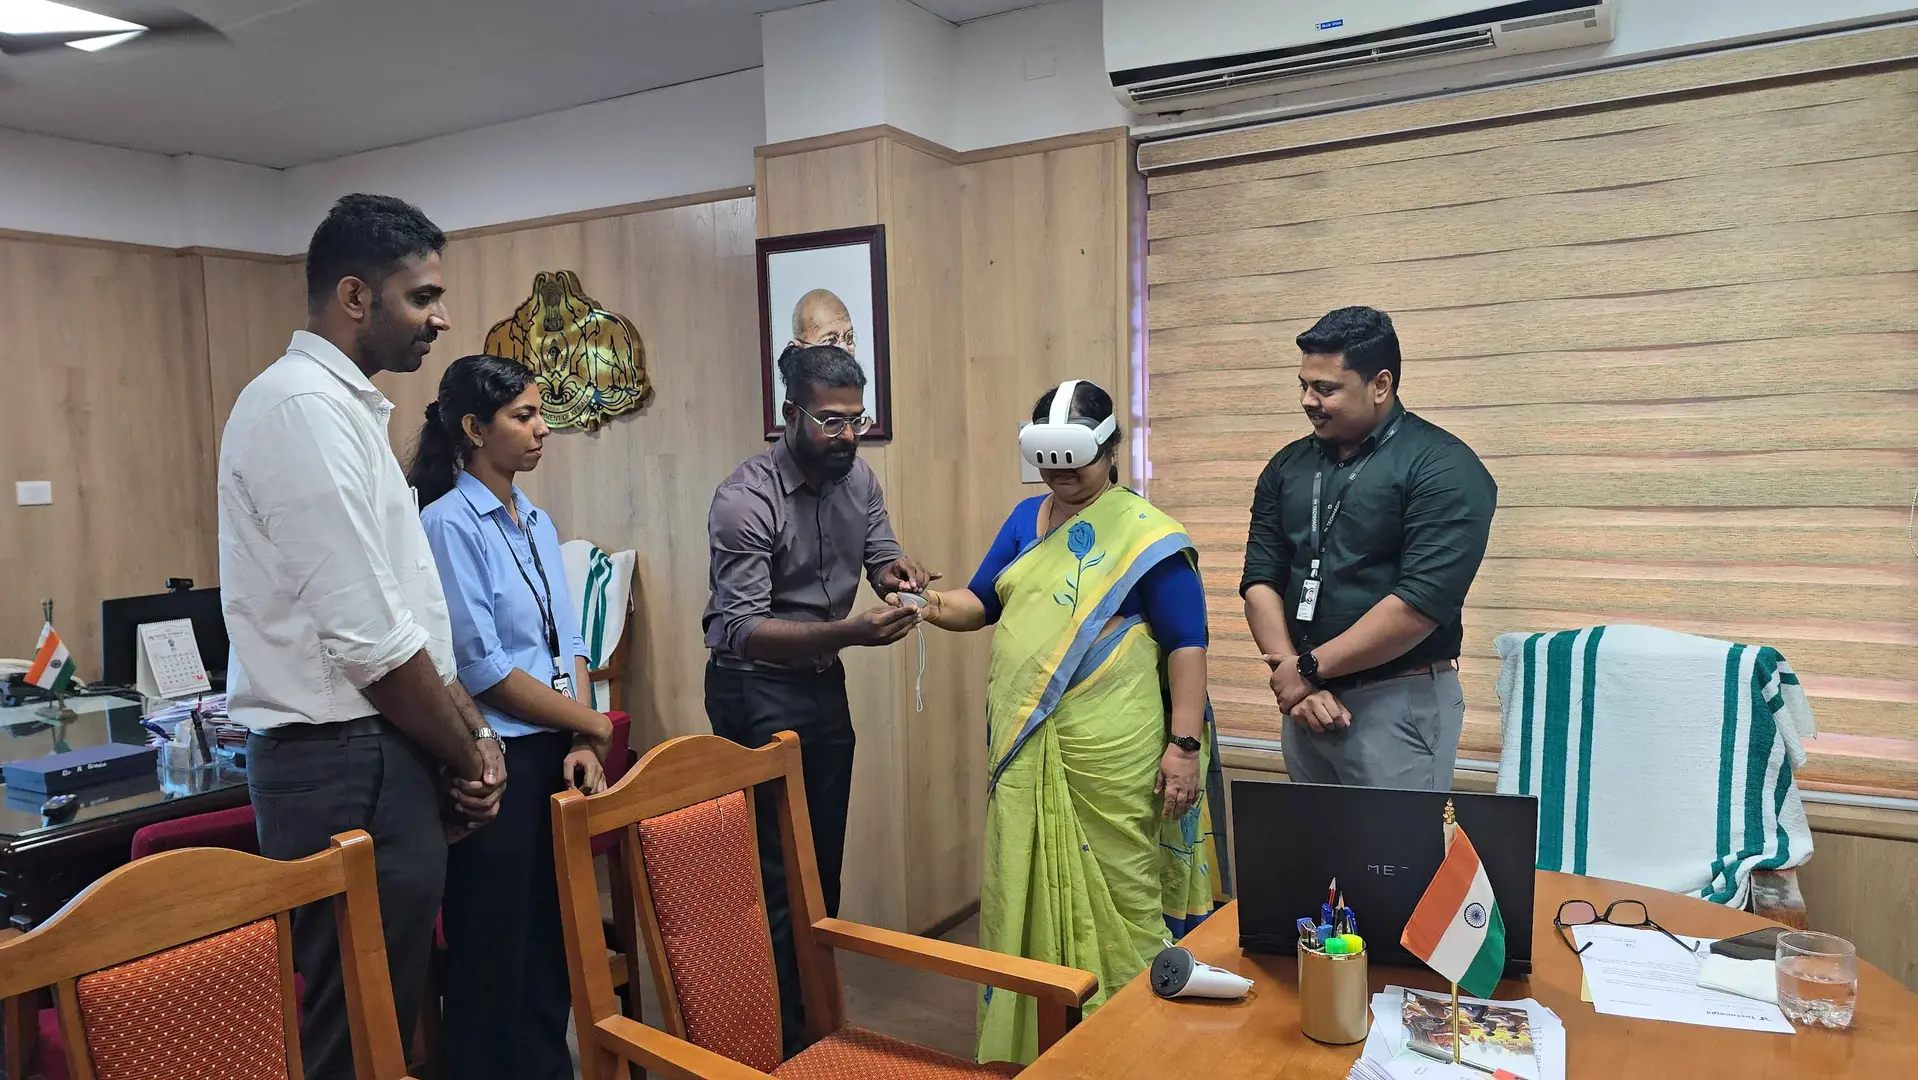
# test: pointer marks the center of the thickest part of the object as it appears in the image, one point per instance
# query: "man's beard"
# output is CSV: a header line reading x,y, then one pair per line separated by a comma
x,y
834,461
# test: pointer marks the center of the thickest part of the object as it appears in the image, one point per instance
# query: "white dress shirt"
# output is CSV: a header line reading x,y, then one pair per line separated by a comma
x,y
325,574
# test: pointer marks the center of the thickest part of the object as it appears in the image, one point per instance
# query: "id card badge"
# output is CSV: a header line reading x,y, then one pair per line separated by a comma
x,y
1309,594
562,680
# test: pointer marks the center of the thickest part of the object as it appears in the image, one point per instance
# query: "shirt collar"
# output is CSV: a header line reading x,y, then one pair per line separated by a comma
x,y
1331,450
484,502
791,476
328,355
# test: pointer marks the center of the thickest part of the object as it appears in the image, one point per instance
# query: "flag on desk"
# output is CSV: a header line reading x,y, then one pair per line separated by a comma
x,y
52,668
1456,928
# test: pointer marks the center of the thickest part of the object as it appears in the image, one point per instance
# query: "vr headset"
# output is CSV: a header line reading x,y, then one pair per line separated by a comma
x,y
1062,443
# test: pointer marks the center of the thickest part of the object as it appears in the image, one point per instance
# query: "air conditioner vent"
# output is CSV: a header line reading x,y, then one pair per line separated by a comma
x,y
1551,20
1317,64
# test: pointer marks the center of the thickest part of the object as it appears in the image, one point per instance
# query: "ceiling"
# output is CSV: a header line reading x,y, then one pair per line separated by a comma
x,y
299,81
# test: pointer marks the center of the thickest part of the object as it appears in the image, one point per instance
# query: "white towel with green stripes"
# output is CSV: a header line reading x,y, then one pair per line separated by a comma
x,y
1659,758
601,585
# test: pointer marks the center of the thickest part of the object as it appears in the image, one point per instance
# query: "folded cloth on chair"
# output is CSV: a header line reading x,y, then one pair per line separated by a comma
x,y
1659,758
601,585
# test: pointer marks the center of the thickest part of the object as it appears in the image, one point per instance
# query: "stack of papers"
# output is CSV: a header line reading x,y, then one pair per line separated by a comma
x,y
1538,1053
1641,974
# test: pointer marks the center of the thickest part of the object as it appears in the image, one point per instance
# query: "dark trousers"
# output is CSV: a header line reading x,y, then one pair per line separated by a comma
x,y
750,707
504,977
309,782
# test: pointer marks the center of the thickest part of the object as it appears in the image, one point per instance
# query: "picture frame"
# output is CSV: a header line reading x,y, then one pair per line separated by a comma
x,y
826,288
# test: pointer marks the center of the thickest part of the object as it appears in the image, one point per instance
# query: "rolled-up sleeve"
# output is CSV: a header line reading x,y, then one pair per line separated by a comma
x,y
882,547
1268,552
1449,504
740,526
458,549
313,497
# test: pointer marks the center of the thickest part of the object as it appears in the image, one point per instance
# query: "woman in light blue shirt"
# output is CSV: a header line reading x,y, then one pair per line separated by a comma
x,y
516,641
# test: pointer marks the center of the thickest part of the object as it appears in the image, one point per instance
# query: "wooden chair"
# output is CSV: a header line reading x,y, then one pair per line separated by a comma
x,y
183,963
688,852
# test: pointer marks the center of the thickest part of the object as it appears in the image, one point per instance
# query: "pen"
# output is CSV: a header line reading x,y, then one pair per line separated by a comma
x,y
199,735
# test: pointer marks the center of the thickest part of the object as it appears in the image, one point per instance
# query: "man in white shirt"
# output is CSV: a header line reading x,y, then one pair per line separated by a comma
x,y
342,661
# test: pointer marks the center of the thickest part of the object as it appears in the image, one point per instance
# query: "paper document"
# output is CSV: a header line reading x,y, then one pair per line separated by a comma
x,y
1641,974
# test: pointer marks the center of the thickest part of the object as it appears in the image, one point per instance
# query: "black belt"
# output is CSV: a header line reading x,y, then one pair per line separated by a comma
x,y
345,729
1386,674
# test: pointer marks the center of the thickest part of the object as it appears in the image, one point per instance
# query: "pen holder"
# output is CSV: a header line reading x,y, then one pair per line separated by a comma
x,y
1334,997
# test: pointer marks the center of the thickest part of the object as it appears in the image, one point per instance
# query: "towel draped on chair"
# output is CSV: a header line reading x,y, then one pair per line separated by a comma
x,y
1659,758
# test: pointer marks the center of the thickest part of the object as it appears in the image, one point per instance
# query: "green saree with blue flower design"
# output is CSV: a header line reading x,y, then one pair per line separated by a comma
x,y
1081,868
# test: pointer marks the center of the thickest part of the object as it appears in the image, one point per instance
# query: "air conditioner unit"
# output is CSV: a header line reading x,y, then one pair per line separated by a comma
x,y
1173,55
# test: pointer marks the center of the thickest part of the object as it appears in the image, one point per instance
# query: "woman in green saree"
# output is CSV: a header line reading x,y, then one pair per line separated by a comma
x,y
1100,845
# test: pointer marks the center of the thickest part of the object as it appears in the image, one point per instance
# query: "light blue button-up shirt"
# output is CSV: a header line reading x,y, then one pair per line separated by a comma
x,y
496,621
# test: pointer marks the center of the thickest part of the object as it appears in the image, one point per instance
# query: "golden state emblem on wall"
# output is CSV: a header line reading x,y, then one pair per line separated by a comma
x,y
589,362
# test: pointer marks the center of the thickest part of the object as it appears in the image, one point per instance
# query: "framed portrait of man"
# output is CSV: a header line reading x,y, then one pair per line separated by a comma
x,y
826,288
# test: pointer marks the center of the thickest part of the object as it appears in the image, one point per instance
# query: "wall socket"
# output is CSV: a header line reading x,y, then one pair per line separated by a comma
x,y
33,493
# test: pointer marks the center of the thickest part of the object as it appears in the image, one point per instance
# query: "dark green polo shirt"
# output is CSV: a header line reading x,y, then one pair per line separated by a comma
x,y
1414,525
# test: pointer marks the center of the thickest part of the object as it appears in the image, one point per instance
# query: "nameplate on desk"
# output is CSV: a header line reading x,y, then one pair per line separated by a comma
x,y
58,774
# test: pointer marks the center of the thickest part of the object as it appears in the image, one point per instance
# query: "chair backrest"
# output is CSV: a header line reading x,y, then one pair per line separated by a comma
x,y
688,850
181,965
231,828
1659,758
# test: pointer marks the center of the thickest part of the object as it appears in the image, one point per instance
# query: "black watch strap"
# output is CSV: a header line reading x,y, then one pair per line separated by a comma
x,y
1309,669
1186,742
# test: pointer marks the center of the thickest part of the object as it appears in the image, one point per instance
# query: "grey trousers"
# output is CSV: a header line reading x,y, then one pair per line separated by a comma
x,y
1404,734
308,785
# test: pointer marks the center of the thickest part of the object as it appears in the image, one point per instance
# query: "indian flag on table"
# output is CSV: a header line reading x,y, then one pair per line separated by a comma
x,y
52,668
1456,928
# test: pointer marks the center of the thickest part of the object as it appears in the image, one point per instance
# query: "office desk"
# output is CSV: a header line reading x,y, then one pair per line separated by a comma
x,y
43,865
1138,1035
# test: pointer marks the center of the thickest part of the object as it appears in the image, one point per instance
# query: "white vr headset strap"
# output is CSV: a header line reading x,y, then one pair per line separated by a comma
x,y
1062,412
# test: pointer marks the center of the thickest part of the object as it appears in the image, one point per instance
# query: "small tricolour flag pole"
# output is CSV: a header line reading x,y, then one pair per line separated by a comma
x,y
1456,928
1451,828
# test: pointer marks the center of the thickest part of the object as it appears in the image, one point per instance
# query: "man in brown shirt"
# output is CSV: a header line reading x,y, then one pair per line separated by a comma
x,y
791,530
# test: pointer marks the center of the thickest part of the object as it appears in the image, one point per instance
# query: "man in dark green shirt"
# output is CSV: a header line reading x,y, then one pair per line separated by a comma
x,y
1365,538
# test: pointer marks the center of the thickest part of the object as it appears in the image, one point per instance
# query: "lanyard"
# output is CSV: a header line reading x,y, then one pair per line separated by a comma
x,y
1332,512
544,601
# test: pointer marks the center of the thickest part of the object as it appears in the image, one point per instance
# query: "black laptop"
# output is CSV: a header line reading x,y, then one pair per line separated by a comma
x,y
1383,846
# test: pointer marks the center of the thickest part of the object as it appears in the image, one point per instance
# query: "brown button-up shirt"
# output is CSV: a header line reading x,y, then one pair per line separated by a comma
x,y
783,550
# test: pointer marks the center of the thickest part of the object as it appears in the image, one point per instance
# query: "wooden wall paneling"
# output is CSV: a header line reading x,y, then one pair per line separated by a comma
x,y
943,756
1688,358
832,188
1865,890
109,399
683,275
252,309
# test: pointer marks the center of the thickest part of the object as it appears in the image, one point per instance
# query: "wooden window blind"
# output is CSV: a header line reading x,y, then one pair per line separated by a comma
x,y
1681,332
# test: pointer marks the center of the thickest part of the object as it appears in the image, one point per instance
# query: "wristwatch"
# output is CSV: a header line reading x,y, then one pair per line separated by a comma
x,y
1309,670
485,731
1185,742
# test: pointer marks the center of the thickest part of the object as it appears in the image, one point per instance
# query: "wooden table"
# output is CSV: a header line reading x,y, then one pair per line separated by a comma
x,y
1137,1034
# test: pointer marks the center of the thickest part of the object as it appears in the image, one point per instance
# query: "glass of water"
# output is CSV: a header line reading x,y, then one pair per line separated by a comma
x,y
1817,978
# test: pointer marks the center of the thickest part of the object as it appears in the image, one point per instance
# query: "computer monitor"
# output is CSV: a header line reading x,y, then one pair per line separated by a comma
x,y
1384,846
121,619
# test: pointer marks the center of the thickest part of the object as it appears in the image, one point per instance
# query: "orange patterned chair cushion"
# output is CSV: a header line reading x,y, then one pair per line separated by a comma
x,y
207,1010
719,954
856,1054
